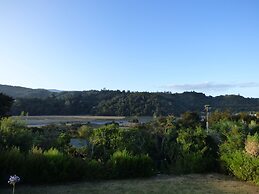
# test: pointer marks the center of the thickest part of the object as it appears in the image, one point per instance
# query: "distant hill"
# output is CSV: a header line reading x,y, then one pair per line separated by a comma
x,y
22,92
120,103
54,90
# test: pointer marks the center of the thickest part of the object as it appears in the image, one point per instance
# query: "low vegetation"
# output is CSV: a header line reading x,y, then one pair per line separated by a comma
x,y
166,145
196,184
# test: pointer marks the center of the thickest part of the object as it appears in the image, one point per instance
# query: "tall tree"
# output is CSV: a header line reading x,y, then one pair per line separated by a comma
x,y
5,104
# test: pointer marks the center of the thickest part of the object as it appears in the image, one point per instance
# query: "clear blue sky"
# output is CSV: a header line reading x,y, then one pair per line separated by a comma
x,y
210,46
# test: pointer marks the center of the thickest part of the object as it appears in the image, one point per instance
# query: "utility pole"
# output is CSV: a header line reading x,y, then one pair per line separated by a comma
x,y
207,109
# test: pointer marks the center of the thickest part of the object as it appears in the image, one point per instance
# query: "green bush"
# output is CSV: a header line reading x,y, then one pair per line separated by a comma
x,y
122,164
14,133
238,161
11,162
242,165
52,166
196,152
95,170
47,167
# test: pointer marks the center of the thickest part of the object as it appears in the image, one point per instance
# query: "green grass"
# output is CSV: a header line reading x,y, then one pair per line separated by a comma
x,y
186,184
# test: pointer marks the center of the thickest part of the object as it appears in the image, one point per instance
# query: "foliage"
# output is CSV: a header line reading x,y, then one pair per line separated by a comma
x,y
233,140
60,167
190,120
166,144
104,141
52,136
242,165
224,126
125,165
194,152
123,103
85,131
47,167
163,149
240,160
218,116
5,104
136,140
14,133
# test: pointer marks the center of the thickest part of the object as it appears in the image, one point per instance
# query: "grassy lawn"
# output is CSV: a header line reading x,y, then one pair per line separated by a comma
x,y
192,184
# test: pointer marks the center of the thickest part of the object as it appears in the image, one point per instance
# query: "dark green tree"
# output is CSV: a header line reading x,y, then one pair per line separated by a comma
x,y
5,104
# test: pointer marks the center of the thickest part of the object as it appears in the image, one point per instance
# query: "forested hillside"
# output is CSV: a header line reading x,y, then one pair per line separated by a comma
x,y
126,103
22,92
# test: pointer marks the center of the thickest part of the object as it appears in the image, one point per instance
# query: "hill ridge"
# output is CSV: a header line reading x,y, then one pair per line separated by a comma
x,y
120,103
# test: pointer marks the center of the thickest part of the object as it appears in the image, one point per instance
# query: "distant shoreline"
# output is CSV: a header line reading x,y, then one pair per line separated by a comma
x,y
73,117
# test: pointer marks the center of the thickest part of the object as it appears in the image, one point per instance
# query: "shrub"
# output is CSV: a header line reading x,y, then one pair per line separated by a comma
x,y
124,165
242,165
103,142
241,162
47,167
11,162
196,153
95,170
14,133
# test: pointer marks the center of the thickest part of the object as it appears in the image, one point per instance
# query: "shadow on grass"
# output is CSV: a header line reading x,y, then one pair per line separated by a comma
x,y
185,184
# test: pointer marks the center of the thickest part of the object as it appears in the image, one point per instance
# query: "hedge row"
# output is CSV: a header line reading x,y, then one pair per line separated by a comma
x,y
52,166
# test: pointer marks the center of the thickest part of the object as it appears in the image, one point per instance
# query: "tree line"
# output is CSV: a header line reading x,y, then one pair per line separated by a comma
x,y
126,103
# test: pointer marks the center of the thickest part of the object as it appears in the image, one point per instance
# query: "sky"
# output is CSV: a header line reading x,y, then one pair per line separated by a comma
x,y
209,46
